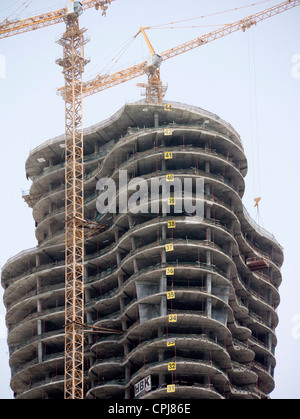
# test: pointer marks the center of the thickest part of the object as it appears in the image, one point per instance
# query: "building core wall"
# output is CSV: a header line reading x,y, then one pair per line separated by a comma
x,y
199,315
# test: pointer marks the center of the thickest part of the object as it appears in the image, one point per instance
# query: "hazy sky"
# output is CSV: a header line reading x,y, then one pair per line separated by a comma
x,y
251,80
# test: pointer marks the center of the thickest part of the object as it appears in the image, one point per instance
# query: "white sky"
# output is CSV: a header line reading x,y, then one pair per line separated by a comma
x,y
249,79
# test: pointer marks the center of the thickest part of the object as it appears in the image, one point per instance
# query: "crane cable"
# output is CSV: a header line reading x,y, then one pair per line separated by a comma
x,y
109,66
209,15
16,14
116,58
254,126
10,6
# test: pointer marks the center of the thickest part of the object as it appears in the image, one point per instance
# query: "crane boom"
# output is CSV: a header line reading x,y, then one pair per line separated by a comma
x,y
231,28
17,27
100,83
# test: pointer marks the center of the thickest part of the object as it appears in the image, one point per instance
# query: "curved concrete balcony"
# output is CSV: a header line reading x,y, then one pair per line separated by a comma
x,y
199,295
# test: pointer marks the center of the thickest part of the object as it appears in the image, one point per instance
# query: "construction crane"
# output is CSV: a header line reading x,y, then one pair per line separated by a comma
x,y
73,63
154,88
17,27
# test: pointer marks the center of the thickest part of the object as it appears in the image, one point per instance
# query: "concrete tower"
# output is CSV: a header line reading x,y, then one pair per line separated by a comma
x,y
192,300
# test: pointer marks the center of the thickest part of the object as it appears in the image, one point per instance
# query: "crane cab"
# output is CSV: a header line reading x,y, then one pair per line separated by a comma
x,y
154,60
74,9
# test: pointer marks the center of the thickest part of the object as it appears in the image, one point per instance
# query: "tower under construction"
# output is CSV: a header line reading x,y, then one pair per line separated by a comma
x,y
190,303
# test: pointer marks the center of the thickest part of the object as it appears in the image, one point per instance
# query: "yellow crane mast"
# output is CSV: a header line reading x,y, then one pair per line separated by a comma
x,y
73,62
154,89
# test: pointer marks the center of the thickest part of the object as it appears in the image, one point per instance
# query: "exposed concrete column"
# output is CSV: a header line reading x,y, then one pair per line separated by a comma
x,y
87,293
269,319
120,280
86,271
270,296
39,322
163,278
164,232
230,226
208,212
271,273
208,285
208,189
271,253
39,309
209,303
228,270
208,234
161,376
133,242
270,342
127,371
156,120
40,345
119,261
208,257
135,266
126,351
163,306
89,317
207,167
163,257
161,353
133,245
37,260
160,331
38,291
163,163
122,306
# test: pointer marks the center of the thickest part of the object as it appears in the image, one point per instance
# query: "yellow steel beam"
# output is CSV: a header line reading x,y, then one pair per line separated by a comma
x,y
17,27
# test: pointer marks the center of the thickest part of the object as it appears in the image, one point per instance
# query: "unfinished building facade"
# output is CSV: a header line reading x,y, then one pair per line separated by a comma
x,y
193,303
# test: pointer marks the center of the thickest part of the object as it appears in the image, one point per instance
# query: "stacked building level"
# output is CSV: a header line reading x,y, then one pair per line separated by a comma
x,y
190,301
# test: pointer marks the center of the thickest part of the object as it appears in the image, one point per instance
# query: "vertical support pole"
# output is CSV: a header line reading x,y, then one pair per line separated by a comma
x,y
73,63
